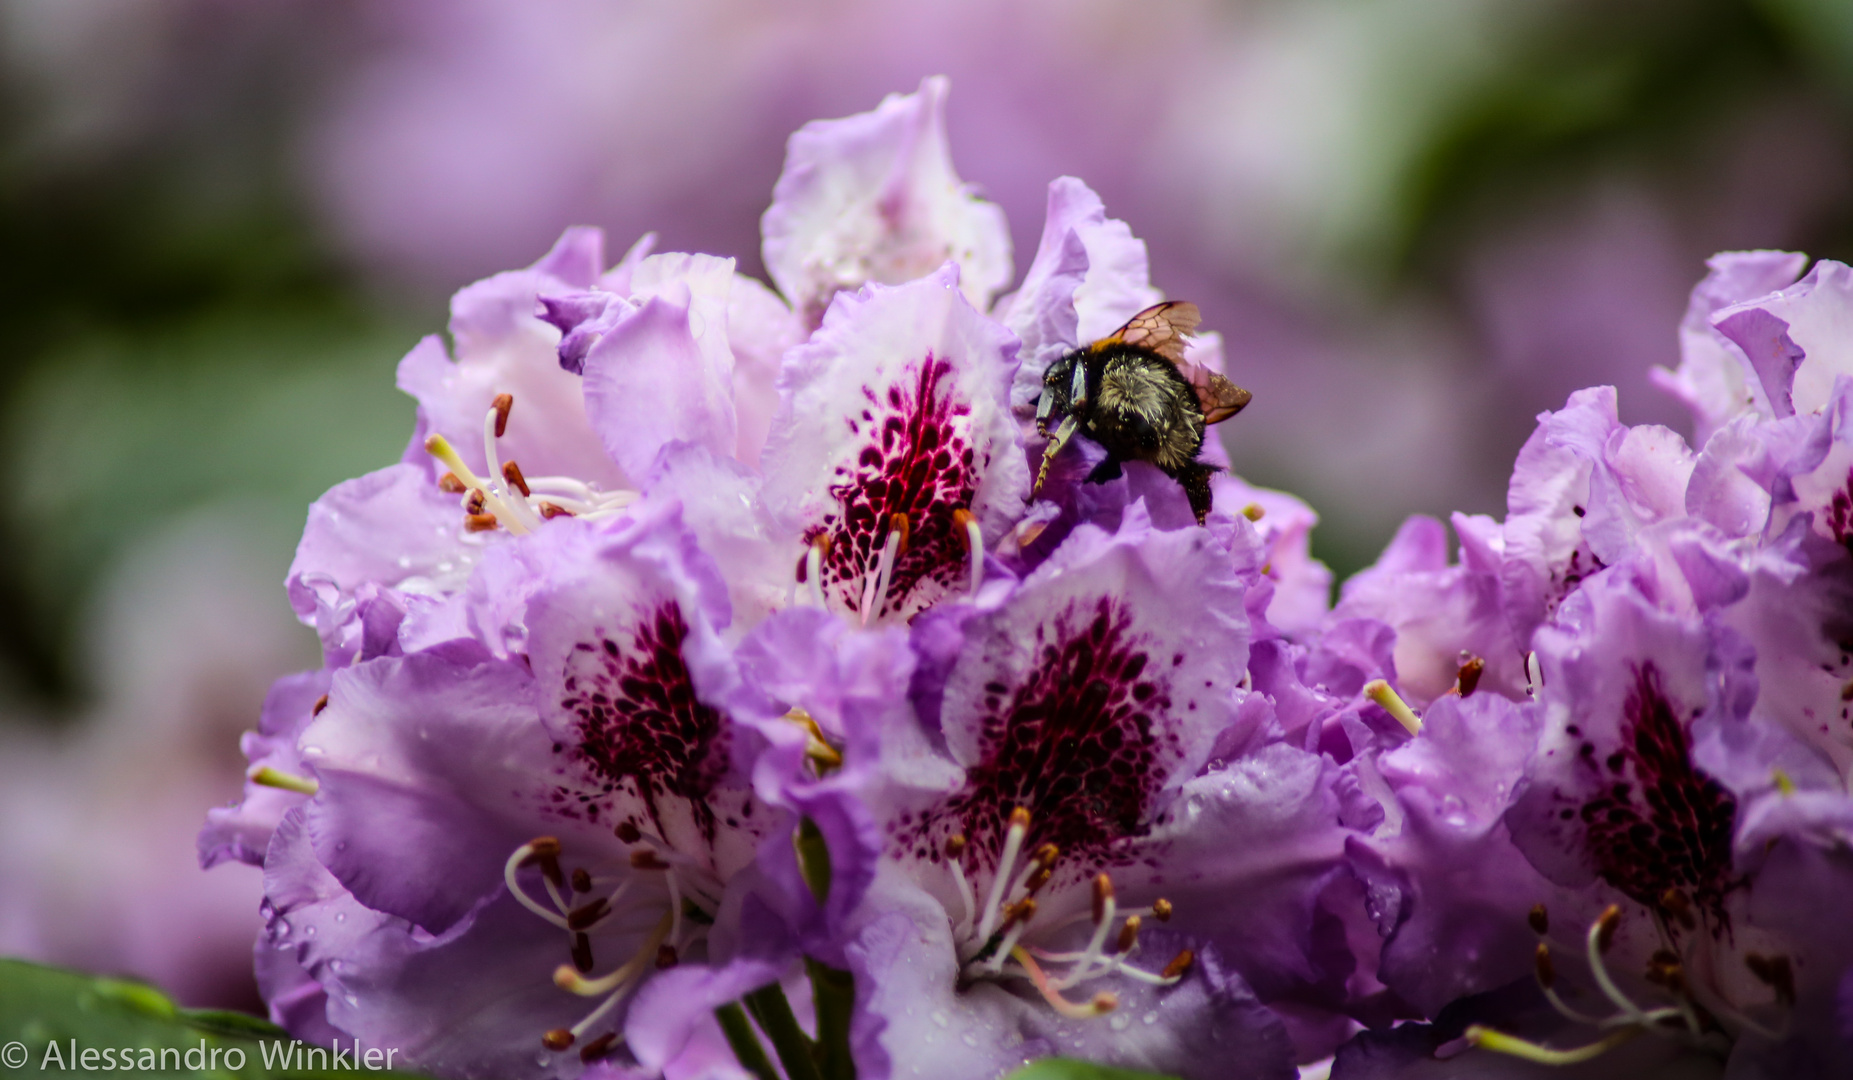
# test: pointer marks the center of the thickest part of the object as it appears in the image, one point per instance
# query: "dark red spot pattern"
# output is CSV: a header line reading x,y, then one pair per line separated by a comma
x,y
1840,514
1656,822
916,459
641,731
1079,741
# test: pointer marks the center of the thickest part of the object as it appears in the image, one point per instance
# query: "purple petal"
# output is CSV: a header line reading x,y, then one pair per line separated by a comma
x,y
242,831
1714,379
873,198
1799,340
897,406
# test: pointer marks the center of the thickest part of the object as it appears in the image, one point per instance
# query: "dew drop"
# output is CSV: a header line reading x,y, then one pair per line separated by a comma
x,y
340,916
1149,1018
1120,1022
941,1018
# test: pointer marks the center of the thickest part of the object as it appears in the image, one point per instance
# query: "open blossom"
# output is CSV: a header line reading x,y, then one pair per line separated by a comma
x,y
676,581
1649,827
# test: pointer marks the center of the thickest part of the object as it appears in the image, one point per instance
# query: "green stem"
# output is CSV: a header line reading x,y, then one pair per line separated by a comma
x,y
746,1048
833,997
768,1006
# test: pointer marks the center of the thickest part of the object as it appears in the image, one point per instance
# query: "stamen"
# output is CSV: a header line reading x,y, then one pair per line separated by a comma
x,y
480,523
1102,1003
968,901
1103,898
523,856
1676,905
598,1047
1534,675
816,747
511,472
1162,908
475,503
647,859
545,850
557,1040
1254,511
1547,971
628,832
875,593
549,511
586,916
567,979
582,953
1129,936
320,704
1016,920
1540,919
450,485
265,776
582,881
965,526
1013,844
1487,1039
1179,966
1379,691
1601,936
501,405
814,568
1469,675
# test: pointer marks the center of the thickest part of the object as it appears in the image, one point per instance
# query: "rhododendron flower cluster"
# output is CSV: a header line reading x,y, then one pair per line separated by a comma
x,y
707,693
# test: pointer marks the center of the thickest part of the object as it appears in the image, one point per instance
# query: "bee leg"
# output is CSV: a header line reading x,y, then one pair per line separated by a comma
x,y
1108,469
1195,478
1062,435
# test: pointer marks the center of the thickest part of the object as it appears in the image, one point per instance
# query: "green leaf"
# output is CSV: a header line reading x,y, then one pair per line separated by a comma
x,y
1066,1069
56,1016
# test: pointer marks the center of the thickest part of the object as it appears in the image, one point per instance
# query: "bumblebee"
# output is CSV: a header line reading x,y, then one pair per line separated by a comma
x,y
1135,394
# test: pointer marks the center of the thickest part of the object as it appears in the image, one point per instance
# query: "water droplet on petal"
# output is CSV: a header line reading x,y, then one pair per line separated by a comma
x,y
941,1018
1149,1018
1120,1022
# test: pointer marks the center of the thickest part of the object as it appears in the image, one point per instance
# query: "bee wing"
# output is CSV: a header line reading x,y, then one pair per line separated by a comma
x,y
1161,328
1216,396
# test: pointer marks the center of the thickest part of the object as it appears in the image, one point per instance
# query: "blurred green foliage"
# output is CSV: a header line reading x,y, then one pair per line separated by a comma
x,y
1604,85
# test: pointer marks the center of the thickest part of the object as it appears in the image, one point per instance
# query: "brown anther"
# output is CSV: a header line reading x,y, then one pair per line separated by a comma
x,y
666,957
582,954
475,503
548,511
1674,903
1103,892
1179,965
501,405
628,832
1129,935
1020,912
1046,855
1539,919
1605,926
961,527
1254,511
647,859
545,851
804,567
1038,879
1162,908
1019,818
450,485
1846,692
1547,971
955,845
900,524
587,914
598,1047
479,523
1105,1001
1469,675
511,472
582,881
558,1039
320,704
